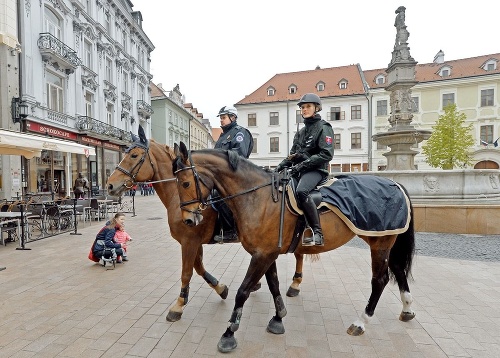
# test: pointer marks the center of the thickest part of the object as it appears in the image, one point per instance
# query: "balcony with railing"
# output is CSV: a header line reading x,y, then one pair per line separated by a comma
x,y
95,128
58,53
144,109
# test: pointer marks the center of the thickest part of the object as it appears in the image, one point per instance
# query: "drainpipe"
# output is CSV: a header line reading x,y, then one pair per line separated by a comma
x,y
287,128
369,98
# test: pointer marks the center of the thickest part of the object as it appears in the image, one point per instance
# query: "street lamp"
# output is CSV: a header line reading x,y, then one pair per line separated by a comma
x,y
19,109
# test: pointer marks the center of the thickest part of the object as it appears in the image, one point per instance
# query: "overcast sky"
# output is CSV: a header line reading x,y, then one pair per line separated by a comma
x,y
219,51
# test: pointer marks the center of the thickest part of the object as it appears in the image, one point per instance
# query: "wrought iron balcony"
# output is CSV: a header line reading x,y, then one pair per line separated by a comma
x,y
144,109
57,53
98,129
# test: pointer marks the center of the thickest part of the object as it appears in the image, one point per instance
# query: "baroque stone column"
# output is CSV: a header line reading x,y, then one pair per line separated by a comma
x,y
401,78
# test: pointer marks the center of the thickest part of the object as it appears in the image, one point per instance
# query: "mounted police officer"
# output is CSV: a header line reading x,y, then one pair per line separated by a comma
x,y
237,138
309,158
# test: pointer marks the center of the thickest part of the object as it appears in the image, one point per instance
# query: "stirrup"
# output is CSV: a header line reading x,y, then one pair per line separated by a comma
x,y
308,237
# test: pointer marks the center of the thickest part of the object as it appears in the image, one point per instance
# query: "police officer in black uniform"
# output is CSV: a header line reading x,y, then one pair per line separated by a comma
x,y
311,152
237,138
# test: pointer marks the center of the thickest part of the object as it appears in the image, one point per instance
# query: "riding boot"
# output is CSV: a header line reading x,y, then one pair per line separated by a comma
x,y
312,217
227,224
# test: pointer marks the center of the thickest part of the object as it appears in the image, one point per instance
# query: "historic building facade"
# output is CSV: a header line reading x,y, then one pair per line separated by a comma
x,y
84,77
357,105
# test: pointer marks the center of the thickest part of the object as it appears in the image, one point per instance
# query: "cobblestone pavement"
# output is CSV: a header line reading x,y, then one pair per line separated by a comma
x,y
55,302
453,246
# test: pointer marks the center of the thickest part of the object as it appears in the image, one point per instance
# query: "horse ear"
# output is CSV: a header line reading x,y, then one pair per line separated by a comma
x,y
134,137
177,152
142,135
183,151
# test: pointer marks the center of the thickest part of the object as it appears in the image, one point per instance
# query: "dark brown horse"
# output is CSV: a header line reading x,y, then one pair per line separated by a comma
x,y
247,190
150,161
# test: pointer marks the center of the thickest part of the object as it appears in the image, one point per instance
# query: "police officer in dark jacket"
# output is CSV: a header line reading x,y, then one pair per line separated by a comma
x,y
237,138
309,158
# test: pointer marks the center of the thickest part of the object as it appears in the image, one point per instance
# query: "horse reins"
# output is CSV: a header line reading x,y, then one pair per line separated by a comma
x,y
205,203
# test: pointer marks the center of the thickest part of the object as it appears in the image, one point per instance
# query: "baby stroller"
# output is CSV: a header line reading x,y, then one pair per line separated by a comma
x,y
108,257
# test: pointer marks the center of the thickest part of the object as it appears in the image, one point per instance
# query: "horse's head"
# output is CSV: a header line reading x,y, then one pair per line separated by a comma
x,y
193,190
131,169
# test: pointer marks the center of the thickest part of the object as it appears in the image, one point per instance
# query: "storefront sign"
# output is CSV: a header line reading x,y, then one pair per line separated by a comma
x,y
56,132
91,141
111,146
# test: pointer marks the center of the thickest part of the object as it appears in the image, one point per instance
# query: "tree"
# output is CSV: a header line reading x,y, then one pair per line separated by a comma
x,y
449,145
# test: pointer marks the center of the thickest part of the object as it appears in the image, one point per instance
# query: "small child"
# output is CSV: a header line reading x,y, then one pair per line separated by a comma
x,y
122,237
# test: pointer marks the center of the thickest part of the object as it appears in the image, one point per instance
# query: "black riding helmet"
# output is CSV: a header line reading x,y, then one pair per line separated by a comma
x,y
311,98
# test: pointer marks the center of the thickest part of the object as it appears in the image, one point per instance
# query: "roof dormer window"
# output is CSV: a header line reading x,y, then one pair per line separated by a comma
x,y
292,89
271,91
490,65
380,79
445,71
320,86
343,84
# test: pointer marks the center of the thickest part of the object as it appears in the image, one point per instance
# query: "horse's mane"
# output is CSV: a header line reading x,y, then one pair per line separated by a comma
x,y
168,150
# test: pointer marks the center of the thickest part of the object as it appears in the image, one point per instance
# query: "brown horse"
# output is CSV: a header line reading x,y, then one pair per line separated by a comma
x,y
243,185
150,161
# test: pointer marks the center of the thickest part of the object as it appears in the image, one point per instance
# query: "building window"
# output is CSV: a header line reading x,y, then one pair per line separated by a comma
x,y
109,70
336,141
252,119
274,144
355,140
414,105
382,108
270,91
107,22
335,114
124,40
254,149
343,85
52,23
274,119
487,134
55,93
141,93
487,97
88,6
320,87
380,80
298,117
109,114
176,119
89,100
87,53
445,73
490,66
292,90
355,112
125,82
448,98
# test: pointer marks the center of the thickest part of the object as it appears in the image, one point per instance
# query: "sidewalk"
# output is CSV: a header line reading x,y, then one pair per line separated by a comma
x,y
54,302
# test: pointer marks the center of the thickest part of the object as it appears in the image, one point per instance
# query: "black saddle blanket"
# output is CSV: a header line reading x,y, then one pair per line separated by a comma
x,y
370,203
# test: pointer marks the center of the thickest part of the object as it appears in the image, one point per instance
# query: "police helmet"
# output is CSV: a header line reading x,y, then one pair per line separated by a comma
x,y
311,98
229,110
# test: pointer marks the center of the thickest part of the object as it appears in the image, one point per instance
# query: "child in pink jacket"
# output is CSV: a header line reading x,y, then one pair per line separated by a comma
x,y
122,237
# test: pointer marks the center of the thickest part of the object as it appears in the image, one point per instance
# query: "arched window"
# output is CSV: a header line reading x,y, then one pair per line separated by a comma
x,y
52,23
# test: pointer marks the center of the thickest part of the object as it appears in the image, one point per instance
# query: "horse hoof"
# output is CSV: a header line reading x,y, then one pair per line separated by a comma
x,y
354,330
275,327
257,287
227,344
406,316
174,316
292,292
224,293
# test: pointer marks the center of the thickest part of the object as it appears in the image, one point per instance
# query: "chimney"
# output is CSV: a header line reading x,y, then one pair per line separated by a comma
x,y
439,58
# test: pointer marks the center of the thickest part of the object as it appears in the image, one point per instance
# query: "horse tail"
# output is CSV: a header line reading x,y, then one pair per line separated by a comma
x,y
403,251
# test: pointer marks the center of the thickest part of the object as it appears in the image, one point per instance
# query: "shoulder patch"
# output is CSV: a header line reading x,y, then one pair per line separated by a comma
x,y
239,137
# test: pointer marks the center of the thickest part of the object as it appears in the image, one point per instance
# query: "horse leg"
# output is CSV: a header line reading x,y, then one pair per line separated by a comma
x,y
276,323
380,278
258,266
294,288
221,289
407,313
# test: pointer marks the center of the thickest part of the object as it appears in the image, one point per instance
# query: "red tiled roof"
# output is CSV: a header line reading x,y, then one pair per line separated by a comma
x,y
216,132
428,72
156,91
306,81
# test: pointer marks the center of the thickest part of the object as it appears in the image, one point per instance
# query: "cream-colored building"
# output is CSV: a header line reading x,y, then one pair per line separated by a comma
x,y
357,106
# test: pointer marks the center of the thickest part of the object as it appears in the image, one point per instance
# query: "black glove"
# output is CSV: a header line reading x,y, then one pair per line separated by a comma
x,y
296,169
297,158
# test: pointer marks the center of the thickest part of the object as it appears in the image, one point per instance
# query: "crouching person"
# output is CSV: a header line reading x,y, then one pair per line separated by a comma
x,y
104,238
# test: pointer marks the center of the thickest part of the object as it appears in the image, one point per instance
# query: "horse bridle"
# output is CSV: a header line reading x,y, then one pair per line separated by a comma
x,y
138,165
205,203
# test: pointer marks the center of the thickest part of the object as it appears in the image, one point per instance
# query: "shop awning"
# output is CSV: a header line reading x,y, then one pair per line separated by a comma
x,y
30,145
